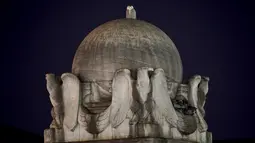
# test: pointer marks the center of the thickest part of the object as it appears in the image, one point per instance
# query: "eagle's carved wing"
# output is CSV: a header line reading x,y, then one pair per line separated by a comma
x,y
202,93
71,99
121,97
102,120
162,105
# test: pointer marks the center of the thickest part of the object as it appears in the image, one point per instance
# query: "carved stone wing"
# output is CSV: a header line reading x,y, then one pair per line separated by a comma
x,y
197,86
193,90
71,98
84,117
202,93
102,120
162,105
121,97
53,87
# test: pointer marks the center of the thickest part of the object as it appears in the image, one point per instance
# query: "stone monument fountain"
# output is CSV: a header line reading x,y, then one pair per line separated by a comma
x,y
126,86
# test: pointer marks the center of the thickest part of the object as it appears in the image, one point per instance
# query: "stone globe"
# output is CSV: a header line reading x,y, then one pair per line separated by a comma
x,y
126,43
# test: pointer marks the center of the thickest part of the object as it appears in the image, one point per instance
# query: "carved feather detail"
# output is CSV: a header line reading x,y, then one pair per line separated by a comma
x,y
202,93
54,89
143,83
198,90
121,97
99,122
102,120
84,117
117,112
193,84
162,107
71,98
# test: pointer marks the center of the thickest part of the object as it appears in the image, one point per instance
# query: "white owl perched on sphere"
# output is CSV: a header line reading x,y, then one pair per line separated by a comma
x,y
130,12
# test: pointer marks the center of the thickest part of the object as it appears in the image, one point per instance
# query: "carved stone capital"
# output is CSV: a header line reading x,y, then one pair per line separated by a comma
x,y
147,105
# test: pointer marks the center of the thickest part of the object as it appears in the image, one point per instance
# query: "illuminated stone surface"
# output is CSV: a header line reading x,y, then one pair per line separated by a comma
x,y
126,86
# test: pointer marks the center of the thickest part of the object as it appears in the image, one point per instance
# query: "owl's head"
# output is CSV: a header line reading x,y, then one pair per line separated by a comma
x,y
130,7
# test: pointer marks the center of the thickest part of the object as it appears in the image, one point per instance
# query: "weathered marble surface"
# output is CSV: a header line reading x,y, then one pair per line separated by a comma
x,y
126,86
137,108
125,43
142,140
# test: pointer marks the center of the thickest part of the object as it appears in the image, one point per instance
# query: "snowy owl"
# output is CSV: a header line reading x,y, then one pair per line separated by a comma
x,y
130,12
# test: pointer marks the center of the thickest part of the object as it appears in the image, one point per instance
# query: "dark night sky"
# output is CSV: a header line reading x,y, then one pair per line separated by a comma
x,y
213,39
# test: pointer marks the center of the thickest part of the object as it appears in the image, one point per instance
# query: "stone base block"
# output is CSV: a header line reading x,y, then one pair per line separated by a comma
x,y
138,140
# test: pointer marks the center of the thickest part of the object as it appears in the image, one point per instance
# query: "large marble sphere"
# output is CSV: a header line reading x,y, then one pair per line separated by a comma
x,y
126,43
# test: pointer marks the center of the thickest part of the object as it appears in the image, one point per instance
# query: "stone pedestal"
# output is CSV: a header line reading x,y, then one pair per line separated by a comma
x,y
140,140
